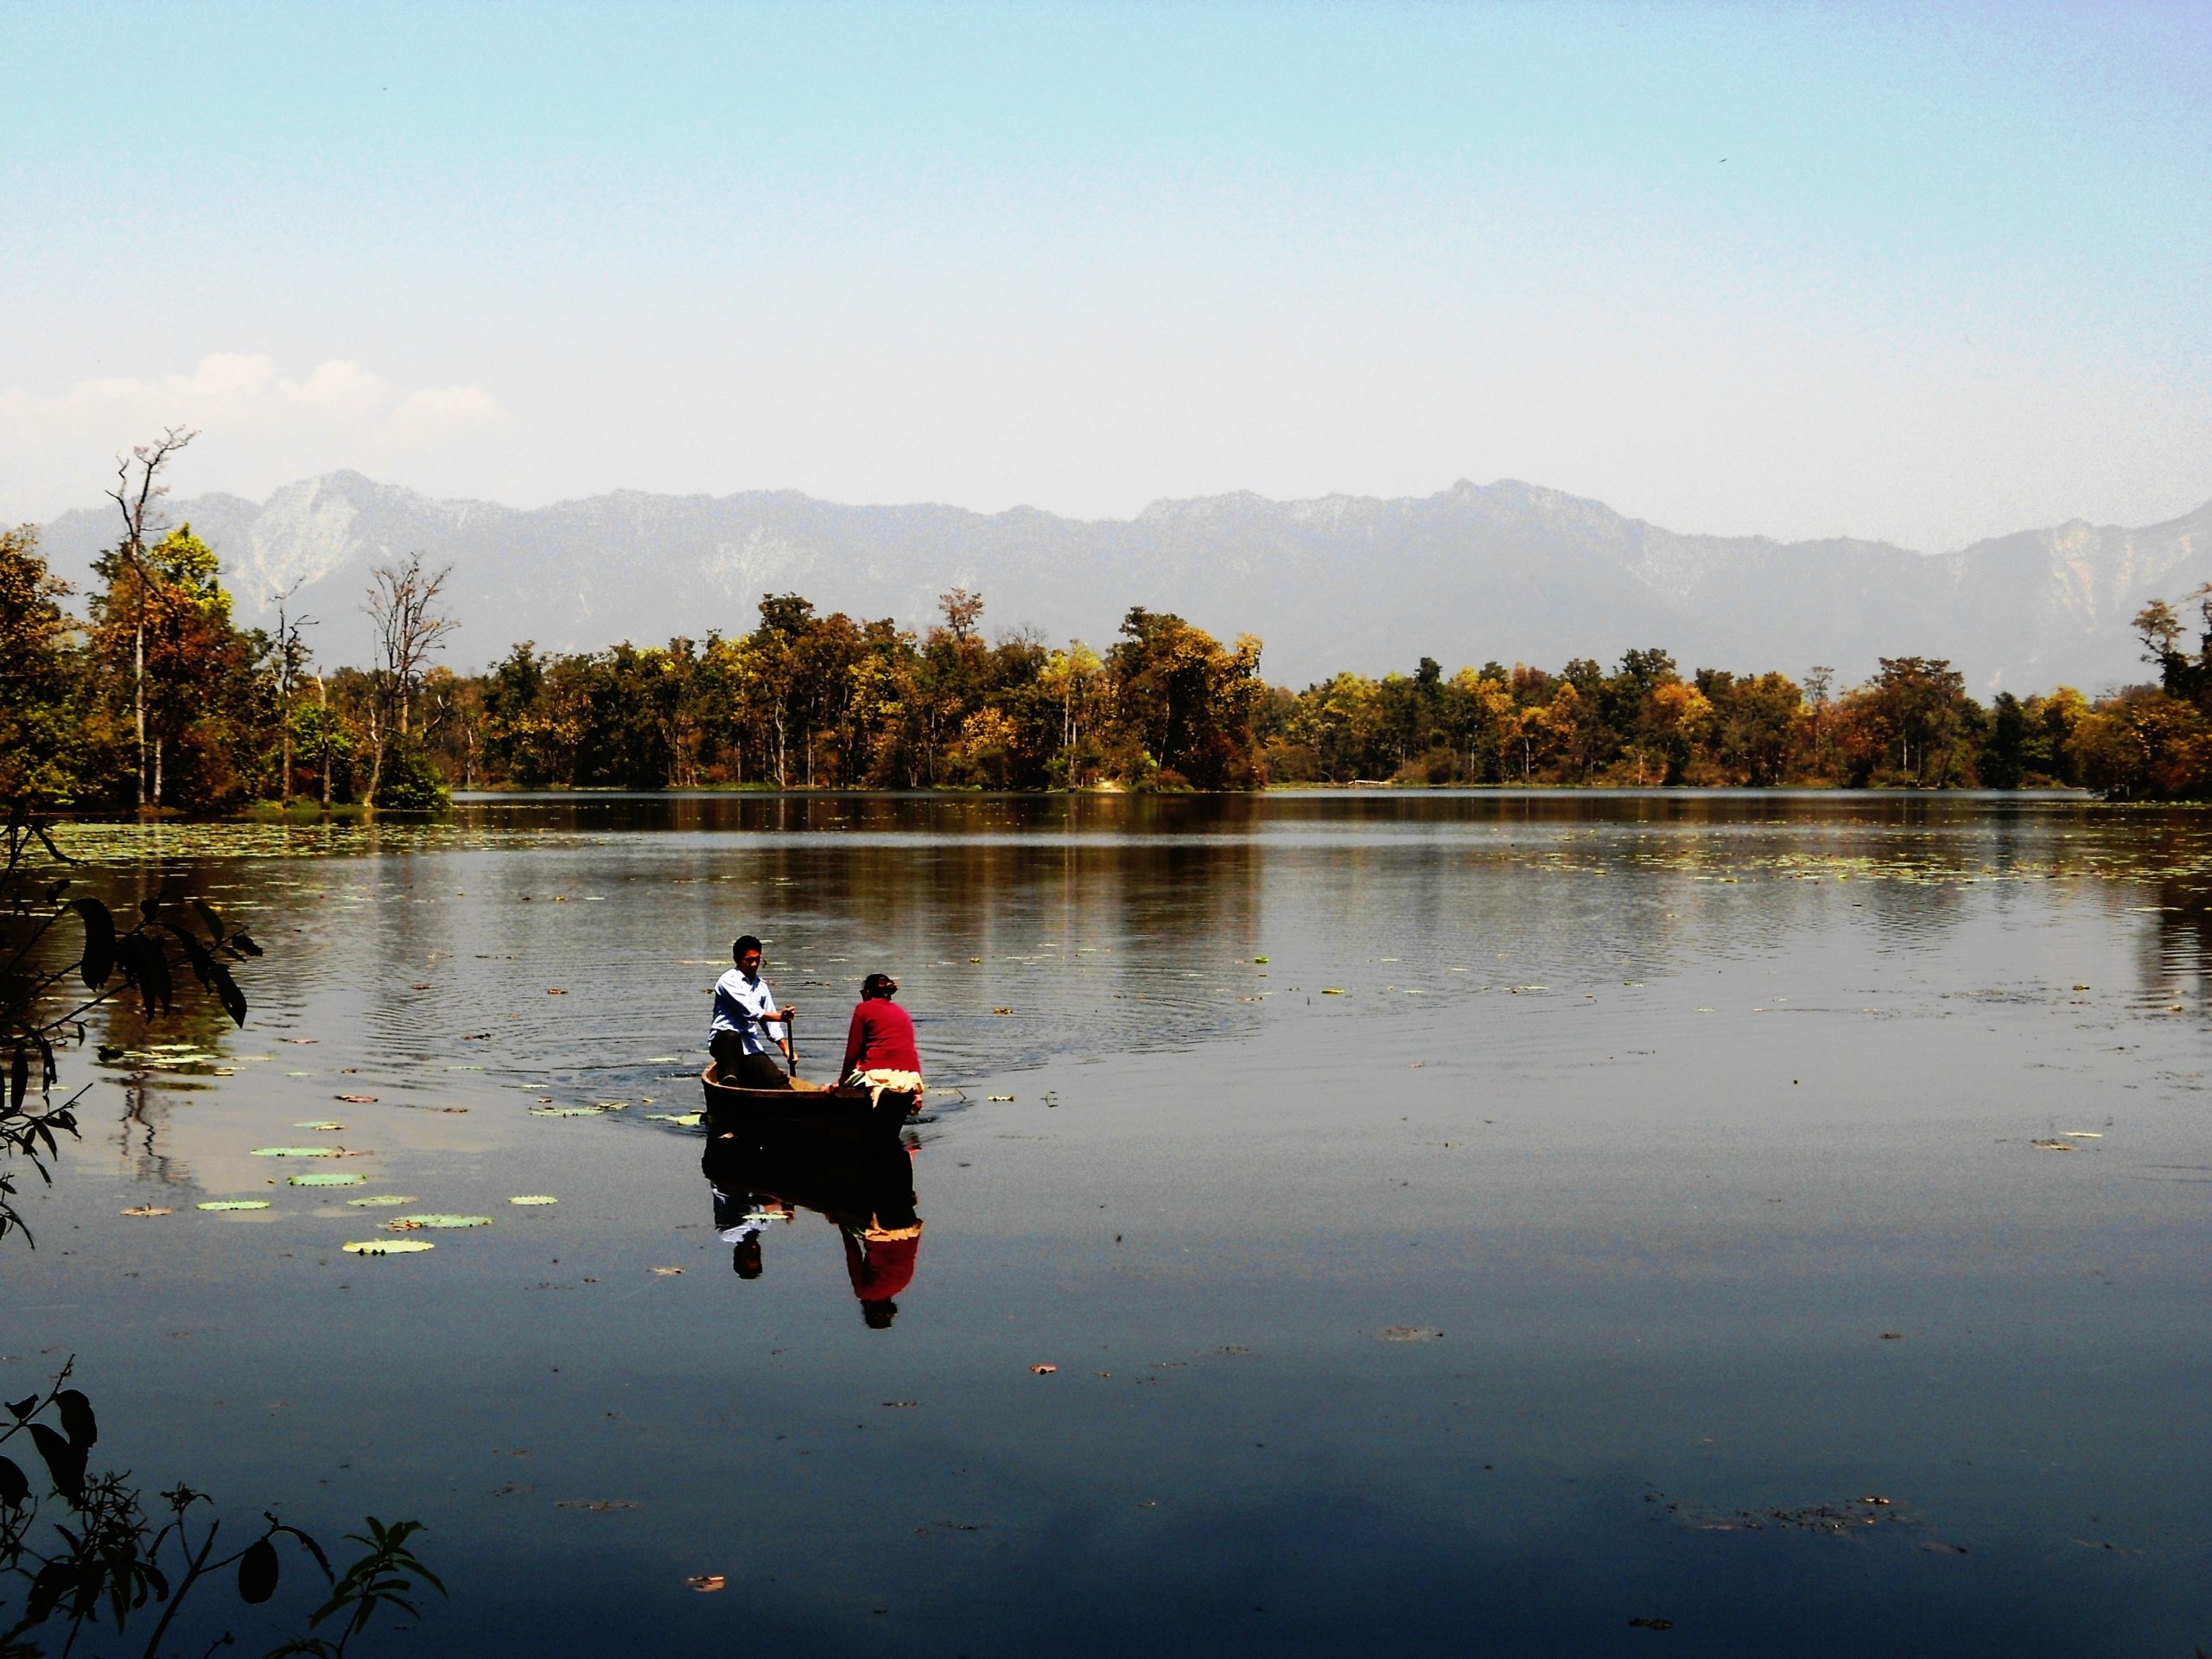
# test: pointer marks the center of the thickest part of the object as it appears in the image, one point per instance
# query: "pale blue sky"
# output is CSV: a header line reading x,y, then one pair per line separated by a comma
x,y
1913,272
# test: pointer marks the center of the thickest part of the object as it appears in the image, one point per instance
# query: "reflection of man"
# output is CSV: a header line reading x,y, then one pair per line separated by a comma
x,y
747,1021
741,1218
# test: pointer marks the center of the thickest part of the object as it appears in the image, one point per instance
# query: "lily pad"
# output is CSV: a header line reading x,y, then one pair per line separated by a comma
x,y
567,1111
382,1201
299,1152
389,1247
681,1120
149,1209
534,1197
326,1180
416,1223
328,1125
236,1204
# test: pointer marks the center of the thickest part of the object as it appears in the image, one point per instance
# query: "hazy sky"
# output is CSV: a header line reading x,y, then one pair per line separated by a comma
x,y
1920,273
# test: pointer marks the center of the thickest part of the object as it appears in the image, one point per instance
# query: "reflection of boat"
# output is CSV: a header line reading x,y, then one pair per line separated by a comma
x,y
867,1193
775,1117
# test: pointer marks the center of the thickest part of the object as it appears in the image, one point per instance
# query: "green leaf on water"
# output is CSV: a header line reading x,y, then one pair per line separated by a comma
x,y
238,1204
389,1247
534,1197
681,1120
382,1201
299,1152
327,1180
567,1111
327,1124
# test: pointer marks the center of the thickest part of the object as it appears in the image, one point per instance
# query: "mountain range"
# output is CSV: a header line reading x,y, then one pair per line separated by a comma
x,y
1508,571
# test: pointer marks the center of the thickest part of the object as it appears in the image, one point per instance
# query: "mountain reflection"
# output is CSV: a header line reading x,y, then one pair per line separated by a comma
x,y
867,1195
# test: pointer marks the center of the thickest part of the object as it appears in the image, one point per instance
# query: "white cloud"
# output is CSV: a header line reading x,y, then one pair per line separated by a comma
x,y
260,427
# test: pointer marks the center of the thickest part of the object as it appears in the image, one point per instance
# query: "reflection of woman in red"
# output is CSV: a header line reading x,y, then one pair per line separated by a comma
x,y
880,1260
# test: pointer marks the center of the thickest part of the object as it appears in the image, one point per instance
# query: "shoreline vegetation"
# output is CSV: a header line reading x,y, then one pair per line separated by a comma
x,y
151,699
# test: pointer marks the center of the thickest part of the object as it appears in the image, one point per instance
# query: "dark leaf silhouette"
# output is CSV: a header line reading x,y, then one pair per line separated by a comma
x,y
209,915
257,1570
233,999
64,1462
77,1419
19,1081
100,942
15,1487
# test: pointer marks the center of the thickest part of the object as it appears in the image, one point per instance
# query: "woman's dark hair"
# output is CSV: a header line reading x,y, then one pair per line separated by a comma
x,y
878,985
745,941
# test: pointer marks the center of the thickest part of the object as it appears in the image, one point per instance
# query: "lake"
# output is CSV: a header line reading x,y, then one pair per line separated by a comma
x,y
1592,1223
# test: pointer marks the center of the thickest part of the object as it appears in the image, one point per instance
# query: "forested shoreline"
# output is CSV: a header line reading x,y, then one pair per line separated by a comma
x,y
143,694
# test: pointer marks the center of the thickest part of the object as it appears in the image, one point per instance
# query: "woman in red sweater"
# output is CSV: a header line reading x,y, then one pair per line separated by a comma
x,y
879,1051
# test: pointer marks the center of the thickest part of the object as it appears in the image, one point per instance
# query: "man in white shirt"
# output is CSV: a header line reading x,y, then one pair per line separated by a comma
x,y
747,1021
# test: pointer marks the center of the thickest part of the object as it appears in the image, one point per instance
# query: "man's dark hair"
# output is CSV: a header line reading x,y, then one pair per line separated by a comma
x,y
745,1258
879,985
745,941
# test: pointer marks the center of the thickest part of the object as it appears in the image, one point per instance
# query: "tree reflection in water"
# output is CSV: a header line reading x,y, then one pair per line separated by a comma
x,y
866,1194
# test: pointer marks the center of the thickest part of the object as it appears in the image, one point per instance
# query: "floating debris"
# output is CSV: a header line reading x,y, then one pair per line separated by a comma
x,y
226,1205
328,1125
2054,1146
357,1100
417,1223
301,1151
326,1180
1042,1370
382,1201
149,1209
1334,990
568,1111
706,1583
1408,1333
681,1120
389,1247
665,1273
534,1197
597,1505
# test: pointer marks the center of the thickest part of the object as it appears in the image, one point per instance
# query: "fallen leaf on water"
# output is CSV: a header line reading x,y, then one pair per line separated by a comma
x,y
1333,990
1001,1097
534,1197
416,1223
1001,1010
1408,1333
706,1583
149,1209
1042,1370
1936,1547
2054,1146
420,985
326,1180
2084,1134
357,1100
555,990
389,1247
303,1042
237,1203
1651,1624
328,1125
299,1152
665,1273
381,1201
567,1111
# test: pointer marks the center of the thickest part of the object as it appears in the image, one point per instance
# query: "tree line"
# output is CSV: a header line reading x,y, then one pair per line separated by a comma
x,y
153,697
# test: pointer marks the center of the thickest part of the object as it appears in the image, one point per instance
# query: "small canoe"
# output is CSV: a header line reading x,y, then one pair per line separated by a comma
x,y
848,1116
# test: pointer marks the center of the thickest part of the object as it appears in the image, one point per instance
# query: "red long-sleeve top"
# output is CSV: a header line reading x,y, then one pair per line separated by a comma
x,y
882,1038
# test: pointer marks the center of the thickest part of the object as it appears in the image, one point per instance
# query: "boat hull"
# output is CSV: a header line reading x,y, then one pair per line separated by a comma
x,y
800,1116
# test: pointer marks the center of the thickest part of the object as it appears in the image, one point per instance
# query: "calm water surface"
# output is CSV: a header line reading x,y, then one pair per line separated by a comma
x,y
1458,1222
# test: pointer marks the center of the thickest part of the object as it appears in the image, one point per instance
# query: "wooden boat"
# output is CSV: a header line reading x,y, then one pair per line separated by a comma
x,y
842,1116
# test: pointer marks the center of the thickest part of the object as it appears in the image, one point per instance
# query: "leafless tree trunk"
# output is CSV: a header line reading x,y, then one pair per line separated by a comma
x,y
323,698
402,603
290,661
137,490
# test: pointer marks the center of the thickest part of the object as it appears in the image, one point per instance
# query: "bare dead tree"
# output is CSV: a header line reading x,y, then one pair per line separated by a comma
x,y
291,662
403,604
137,494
